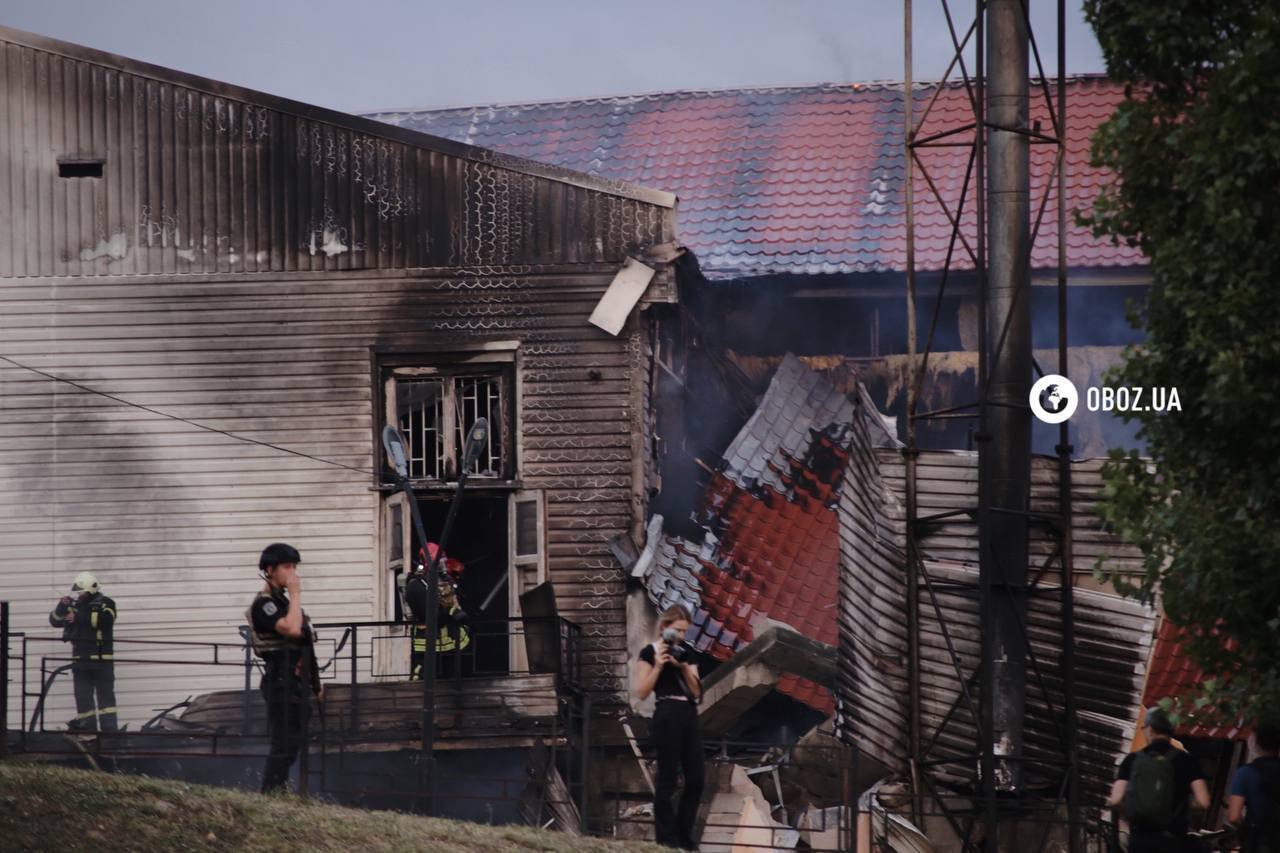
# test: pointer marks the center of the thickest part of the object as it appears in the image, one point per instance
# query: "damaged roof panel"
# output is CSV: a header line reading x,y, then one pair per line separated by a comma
x,y
772,543
1112,634
794,179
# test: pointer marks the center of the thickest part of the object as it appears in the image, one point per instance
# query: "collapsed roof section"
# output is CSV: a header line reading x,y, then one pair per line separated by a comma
x,y
772,545
805,525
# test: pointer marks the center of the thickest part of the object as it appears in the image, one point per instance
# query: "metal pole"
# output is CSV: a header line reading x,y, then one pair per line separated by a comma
x,y
304,760
248,683
585,762
910,451
983,436
426,764
1005,457
355,682
4,677
1070,747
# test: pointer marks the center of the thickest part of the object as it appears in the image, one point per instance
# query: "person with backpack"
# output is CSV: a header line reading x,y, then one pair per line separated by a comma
x,y
1255,795
1153,788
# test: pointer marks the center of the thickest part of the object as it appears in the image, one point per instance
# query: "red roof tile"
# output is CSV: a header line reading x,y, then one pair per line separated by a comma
x,y
792,545
794,179
1172,674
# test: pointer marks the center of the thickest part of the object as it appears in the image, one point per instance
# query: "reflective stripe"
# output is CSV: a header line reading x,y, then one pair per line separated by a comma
x,y
86,715
93,621
110,710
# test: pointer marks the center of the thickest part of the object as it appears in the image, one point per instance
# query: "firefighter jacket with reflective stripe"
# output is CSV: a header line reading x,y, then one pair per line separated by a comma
x,y
91,629
453,634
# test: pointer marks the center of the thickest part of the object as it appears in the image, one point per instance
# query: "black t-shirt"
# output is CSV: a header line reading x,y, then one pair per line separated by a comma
x,y
1185,771
670,680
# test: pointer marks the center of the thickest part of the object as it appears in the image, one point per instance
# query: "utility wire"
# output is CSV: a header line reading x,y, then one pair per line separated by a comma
x,y
179,418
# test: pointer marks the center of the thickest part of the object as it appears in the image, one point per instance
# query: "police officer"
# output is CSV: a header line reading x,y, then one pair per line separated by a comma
x,y
87,619
452,636
283,637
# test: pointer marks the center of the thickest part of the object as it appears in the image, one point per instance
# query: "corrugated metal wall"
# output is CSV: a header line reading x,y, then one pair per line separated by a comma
x,y
200,180
227,303
1112,635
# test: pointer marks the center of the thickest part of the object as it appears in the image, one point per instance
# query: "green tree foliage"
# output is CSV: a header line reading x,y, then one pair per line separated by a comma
x,y
1196,148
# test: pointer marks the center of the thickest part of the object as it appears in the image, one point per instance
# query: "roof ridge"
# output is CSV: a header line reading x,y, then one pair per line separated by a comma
x,y
855,86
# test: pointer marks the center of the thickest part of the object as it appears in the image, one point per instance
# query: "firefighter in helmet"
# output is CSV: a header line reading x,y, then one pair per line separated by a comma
x,y
452,636
283,637
87,619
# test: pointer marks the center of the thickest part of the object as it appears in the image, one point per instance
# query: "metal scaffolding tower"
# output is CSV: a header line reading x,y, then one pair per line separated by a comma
x,y
991,237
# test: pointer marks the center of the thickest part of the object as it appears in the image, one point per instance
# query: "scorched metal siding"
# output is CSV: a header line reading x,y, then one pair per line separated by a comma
x,y
220,312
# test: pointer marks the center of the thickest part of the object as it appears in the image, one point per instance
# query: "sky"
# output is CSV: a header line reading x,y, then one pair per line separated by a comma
x,y
383,54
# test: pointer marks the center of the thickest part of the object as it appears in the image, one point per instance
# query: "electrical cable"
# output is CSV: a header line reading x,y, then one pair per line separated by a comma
x,y
122,401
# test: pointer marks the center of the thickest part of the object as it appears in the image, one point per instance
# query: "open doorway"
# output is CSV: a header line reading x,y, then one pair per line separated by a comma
x,y
479,541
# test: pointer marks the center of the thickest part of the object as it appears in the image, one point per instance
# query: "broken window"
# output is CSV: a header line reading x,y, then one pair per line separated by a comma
x,y
435,408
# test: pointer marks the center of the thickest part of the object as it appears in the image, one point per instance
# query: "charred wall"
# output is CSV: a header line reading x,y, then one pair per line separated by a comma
x,y
201,177
212,307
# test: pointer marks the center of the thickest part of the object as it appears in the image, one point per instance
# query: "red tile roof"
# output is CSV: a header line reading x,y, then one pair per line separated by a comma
x,y
778,558
1172,674
772,547
793,179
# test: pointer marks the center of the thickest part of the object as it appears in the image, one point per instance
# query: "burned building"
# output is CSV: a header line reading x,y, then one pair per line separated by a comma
x,y
216,298
792,200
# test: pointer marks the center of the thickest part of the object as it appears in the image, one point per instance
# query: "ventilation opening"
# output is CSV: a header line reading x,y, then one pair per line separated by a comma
x,y
80,168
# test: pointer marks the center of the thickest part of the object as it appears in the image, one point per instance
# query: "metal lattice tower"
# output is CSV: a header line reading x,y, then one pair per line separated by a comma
x,y
994,240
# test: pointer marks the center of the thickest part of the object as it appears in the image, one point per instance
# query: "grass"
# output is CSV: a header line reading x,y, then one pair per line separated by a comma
x,y
59,809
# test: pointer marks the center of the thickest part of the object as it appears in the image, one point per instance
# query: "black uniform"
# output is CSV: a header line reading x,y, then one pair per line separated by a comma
x,y
675,738
92,669
451,623
291,675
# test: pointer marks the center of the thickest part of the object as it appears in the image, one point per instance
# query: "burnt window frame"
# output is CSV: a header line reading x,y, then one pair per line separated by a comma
x,y
450,367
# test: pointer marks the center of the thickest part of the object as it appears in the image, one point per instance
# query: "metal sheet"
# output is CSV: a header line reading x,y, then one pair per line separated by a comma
x,y
1113,635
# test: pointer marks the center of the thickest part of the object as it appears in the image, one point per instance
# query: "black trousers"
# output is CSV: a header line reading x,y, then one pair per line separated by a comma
x,y
678,744
95,680
288,711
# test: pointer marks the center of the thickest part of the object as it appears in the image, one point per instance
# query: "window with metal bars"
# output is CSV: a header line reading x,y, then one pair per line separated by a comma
x,y
435,408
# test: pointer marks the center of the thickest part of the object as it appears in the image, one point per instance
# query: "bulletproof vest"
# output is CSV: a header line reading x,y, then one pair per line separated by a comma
x,y
267,644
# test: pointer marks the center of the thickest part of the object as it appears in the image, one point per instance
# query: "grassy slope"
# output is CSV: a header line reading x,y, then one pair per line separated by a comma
x,y
56,809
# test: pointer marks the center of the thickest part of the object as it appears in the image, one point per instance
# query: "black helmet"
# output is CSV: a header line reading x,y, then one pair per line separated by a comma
x,y
277,553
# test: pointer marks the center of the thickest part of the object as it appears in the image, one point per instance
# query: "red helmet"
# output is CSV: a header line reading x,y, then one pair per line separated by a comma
x,y
453,567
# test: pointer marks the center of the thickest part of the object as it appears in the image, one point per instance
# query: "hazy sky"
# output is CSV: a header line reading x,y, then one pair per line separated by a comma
x,y
426,53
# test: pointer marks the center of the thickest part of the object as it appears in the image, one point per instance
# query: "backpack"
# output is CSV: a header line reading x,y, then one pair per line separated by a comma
x,y
1151,801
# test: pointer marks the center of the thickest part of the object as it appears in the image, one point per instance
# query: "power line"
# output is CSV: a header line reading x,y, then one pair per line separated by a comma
x,y
179,418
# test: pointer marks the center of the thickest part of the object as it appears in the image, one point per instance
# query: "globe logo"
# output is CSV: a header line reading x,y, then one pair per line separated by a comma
x,y
1054,398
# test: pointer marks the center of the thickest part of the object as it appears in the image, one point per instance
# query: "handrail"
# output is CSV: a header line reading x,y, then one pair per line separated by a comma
x,y
568,650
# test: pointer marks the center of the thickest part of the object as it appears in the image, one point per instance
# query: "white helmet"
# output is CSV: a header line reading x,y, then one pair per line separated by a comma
x,y
85,582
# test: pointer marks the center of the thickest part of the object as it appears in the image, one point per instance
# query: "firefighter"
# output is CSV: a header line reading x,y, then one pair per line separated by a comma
x,y
452,634
87,619
283,637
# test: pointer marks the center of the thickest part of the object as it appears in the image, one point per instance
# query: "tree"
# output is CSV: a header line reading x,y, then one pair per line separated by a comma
x,y
1195,147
